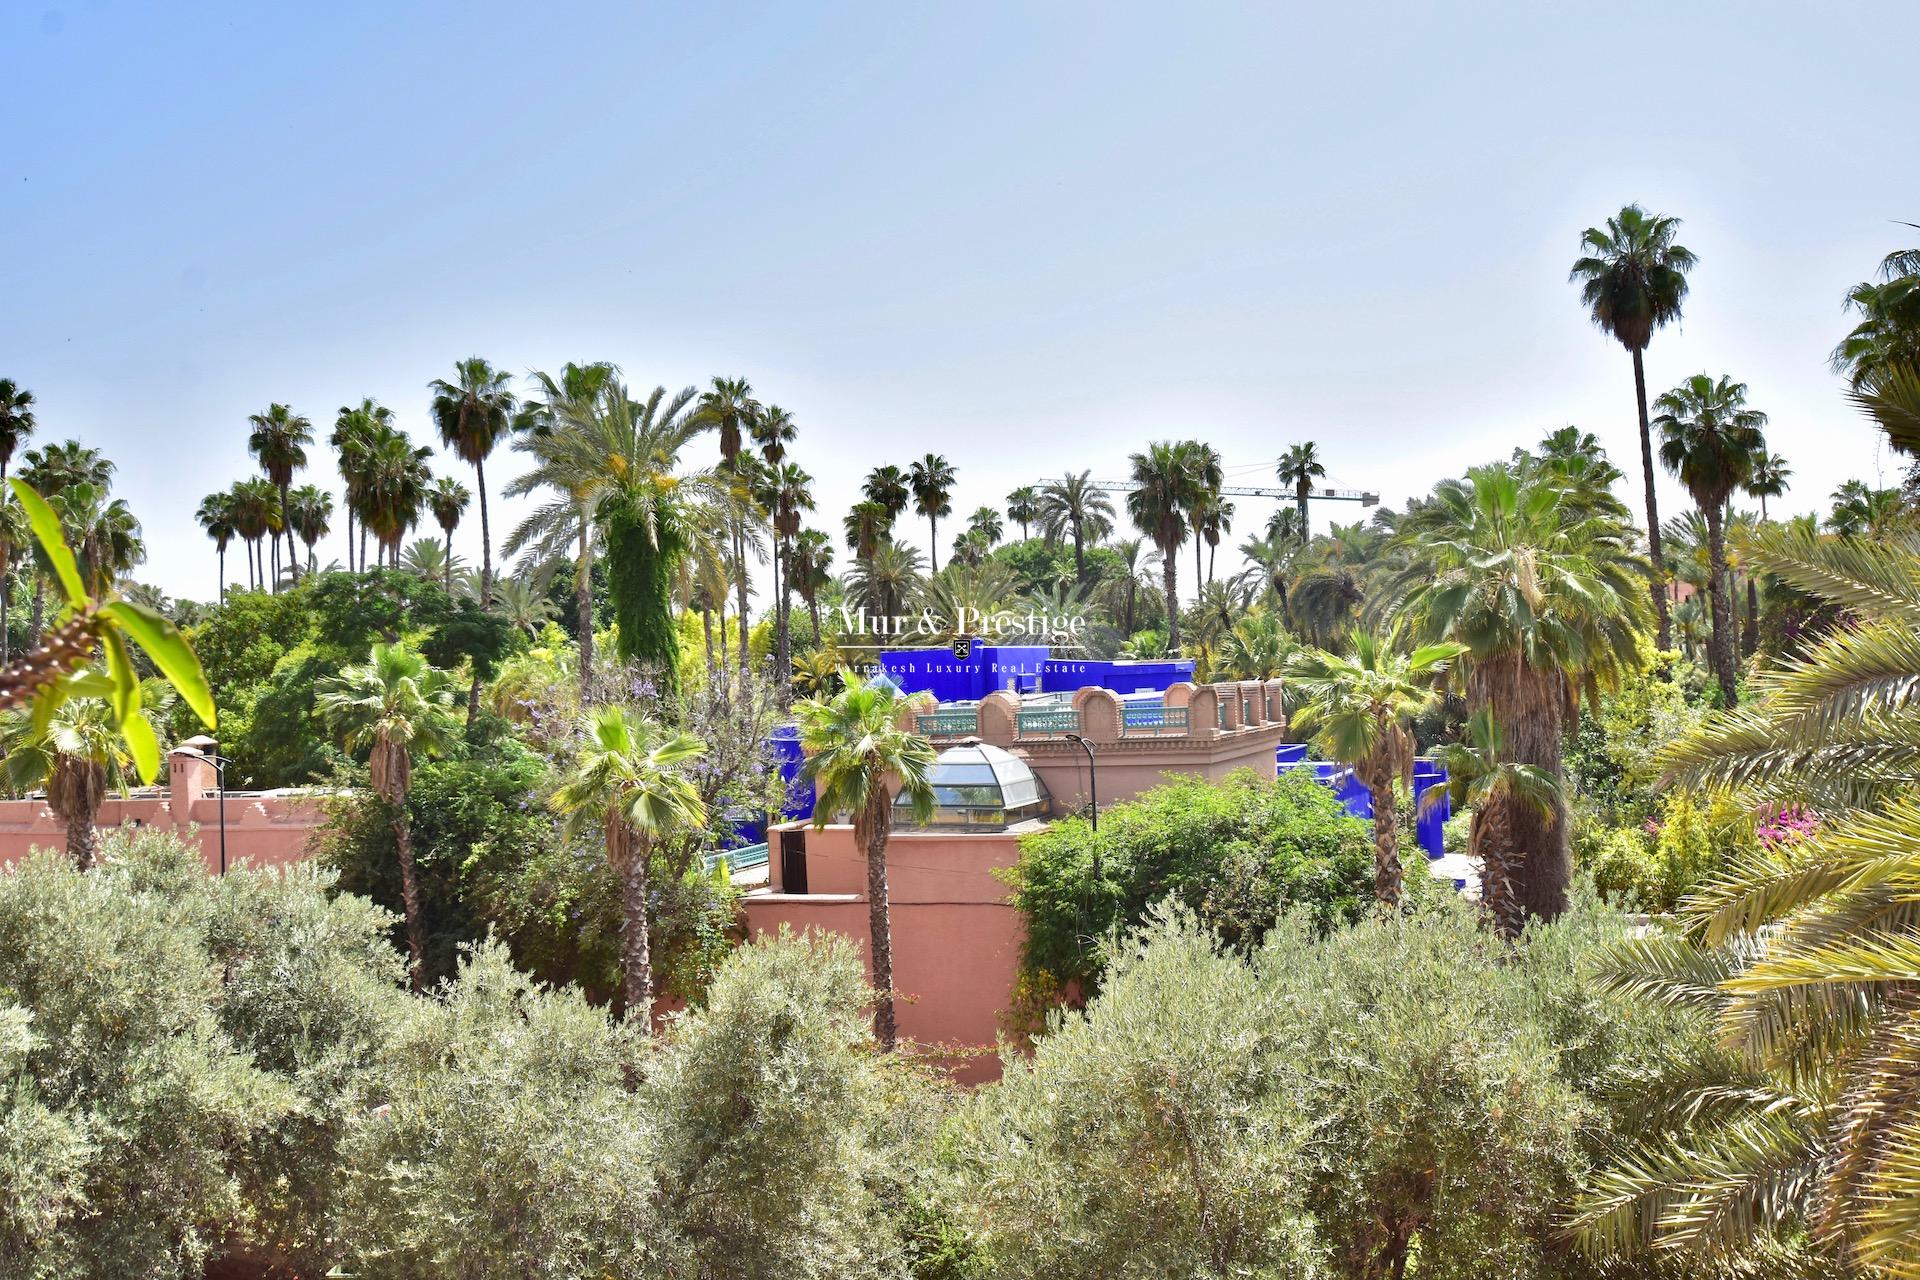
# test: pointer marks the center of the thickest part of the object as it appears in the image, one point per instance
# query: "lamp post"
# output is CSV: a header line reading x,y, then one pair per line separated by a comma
x,y
219,764
1093,798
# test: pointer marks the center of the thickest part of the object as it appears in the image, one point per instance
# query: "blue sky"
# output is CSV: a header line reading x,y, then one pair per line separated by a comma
x,y
1031,237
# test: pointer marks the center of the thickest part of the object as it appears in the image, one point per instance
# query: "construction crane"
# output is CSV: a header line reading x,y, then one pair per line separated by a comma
x,y
1360,496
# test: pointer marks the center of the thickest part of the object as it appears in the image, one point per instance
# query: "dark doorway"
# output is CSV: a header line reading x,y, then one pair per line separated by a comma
x,y
793,861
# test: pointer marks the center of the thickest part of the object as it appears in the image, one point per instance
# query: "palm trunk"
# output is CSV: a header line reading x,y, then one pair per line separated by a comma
x,y
221,554
636,956
1528,705
740,594
1664,635
1720,601
706,628
486,536
1168,569
286,530
409,894
1388,878
783,664
878,823
6,600
933,545
1490,844
1751,644
1079,556
350,567
447,572
1300,502
82,839
38,617
363,546
583,605
813,611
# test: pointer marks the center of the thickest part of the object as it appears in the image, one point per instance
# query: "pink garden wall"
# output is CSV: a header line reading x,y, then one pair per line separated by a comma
x,y
270,828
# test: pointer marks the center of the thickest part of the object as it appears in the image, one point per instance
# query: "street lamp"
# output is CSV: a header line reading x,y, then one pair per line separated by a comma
x,y
1093,797
209,750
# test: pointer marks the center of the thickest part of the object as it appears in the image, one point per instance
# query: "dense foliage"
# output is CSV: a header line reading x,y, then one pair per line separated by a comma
x,y
1239,852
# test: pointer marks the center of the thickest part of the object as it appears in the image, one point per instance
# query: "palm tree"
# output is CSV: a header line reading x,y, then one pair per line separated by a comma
x,y
397,485
1121,593
1886,341
1355,707
810,561
614,458
448,500
102,532
427,559
565,524
523,604
354,429
773,430
890,488
48,470
1205,508
886,579
867,526
1806,948
279,441
932,481
855,748
1300,466
254,506
630,776
474,412
788,494
1863,512
986,522
1075,507
394,707
731,408
1633,279
1023,508
78,757
216,517
1496,790
1708,440
16,425
1165,485
1767,478
1256,648
1543,587
310,508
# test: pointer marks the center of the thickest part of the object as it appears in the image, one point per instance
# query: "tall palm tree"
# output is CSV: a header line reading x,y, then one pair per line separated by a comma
x,y
730,408
310,508
1074,507
397,487
394,707
789,494
630,776
1300,466
1767,478
867,526
1121,594
616,458
216,517
811,560
566,521
932,481
102,532
354,429
1633,279
1544,588
986,522
1860,511
279,441
1166,483
254,506
890,488
448,500
50,469
1483,781
1023,508
16,425
1205,509
474,412
1355,709
855,748
1708,440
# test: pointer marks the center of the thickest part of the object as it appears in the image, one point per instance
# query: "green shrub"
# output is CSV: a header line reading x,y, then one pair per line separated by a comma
x,y
1238,852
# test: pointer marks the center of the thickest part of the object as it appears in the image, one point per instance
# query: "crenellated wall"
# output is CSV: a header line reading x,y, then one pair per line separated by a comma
x,y
268,828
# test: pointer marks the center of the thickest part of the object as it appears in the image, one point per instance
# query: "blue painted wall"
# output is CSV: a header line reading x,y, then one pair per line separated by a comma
x,y
987,669
1429,827
1064,675
784,746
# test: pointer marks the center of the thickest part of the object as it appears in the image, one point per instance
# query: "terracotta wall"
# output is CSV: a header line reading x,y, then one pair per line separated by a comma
x,y
267,828
956,940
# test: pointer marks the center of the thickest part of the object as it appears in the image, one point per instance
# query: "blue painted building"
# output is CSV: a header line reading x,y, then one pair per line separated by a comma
x,y
1429,824
1023,669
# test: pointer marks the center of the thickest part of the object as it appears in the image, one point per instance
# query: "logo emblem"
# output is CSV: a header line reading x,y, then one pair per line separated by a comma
x,y
963,648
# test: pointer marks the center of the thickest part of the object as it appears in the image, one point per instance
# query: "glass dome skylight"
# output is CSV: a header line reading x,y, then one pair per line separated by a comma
x,y
978,787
